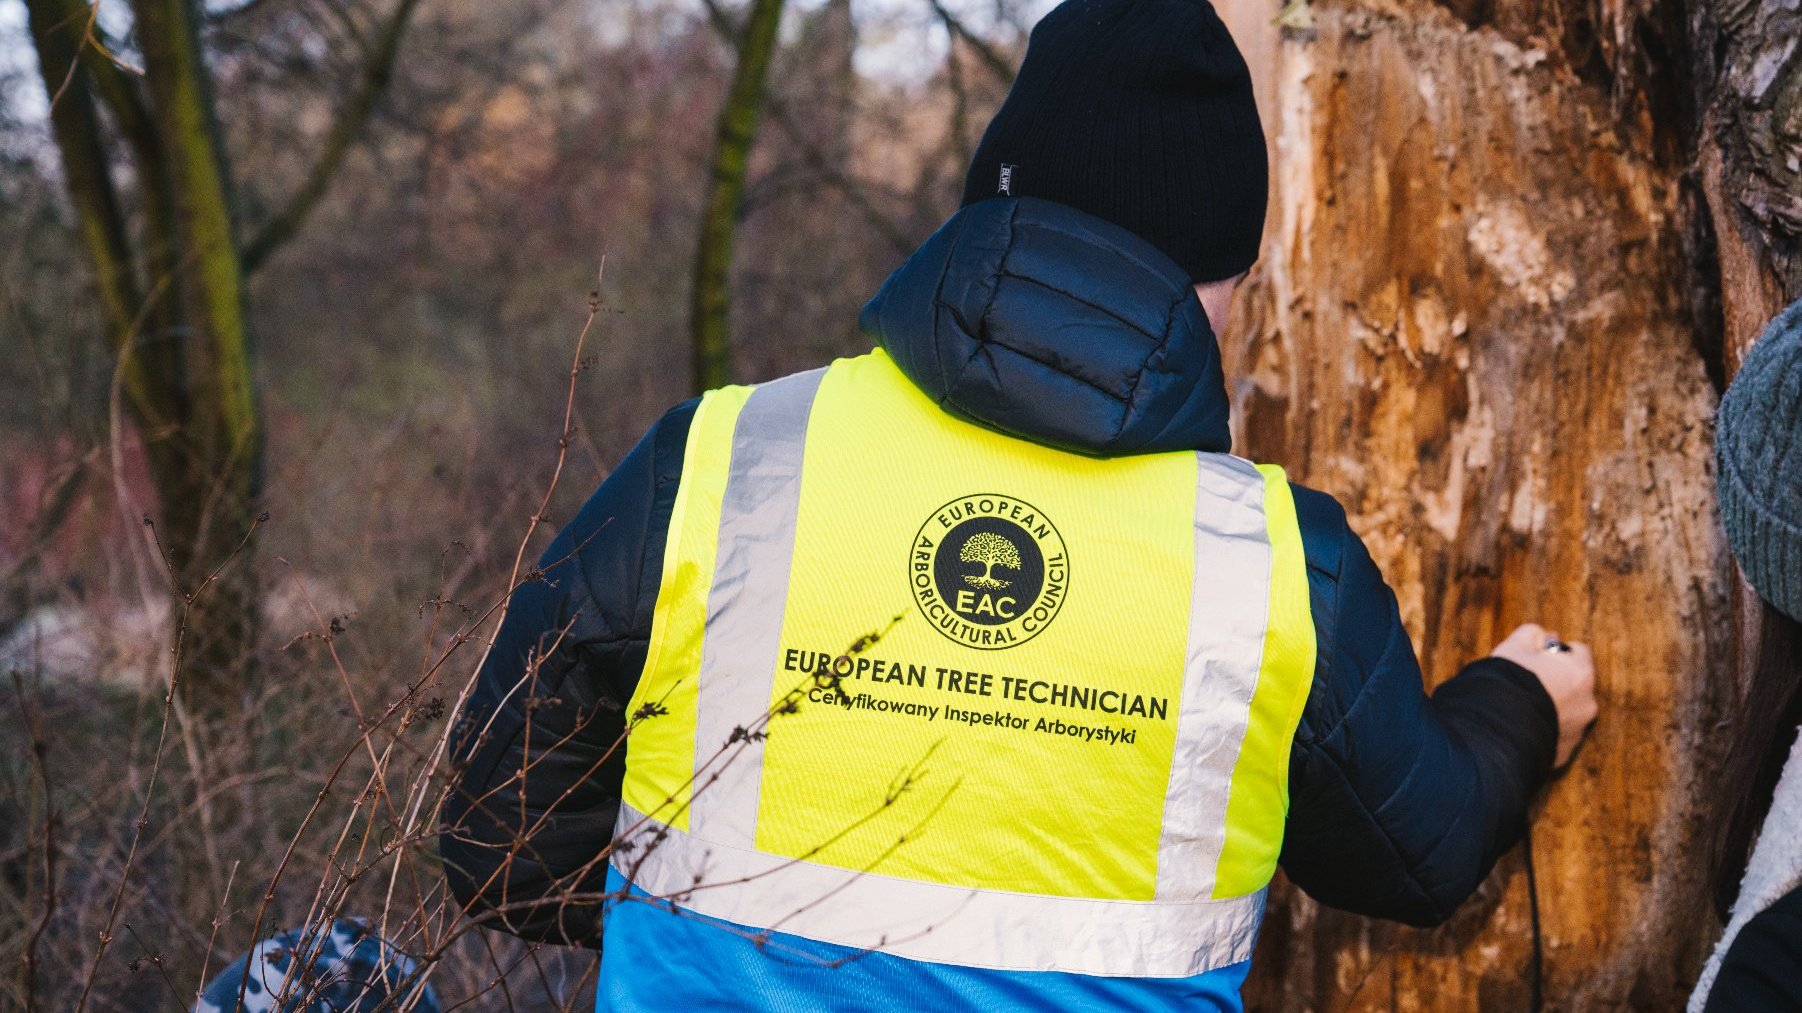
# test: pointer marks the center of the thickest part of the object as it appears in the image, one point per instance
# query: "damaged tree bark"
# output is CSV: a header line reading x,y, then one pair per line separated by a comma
x,y
1750,158
1516,249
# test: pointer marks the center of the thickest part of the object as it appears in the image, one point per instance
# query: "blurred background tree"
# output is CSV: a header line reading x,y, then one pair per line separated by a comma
x,y
169,260
755,46
407,356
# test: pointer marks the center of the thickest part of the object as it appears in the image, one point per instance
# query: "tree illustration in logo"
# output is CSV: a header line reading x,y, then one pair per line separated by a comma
x,y
991,550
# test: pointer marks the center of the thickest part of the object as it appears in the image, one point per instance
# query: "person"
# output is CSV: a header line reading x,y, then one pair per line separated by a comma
x,y
974,672
1757,965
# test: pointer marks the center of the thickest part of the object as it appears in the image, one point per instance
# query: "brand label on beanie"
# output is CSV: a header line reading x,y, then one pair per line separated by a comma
x,y
1006,186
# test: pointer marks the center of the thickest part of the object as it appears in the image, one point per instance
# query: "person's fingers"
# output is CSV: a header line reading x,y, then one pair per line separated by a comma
x,y
1526,636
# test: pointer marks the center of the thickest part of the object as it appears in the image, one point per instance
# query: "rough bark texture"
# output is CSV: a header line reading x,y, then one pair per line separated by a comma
x,y
1750,157
1475,324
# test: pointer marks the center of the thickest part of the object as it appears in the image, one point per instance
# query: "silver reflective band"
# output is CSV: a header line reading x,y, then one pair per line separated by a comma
x,y
714,870
1228,611
744,620
932,921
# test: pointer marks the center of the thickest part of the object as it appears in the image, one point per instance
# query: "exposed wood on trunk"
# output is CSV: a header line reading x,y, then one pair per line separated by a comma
x,y
1751,158
1470,325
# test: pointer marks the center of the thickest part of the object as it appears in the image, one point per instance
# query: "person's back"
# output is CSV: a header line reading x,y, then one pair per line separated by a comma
x,y
975,672
937,693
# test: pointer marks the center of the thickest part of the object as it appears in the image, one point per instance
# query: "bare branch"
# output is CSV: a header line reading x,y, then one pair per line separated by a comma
x,y
378,72
57,504
998,65
811,156
75,124
109,77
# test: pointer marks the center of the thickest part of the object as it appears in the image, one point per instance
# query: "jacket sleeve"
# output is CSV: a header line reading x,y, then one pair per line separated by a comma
x,y
538,751
1400,802
1763,966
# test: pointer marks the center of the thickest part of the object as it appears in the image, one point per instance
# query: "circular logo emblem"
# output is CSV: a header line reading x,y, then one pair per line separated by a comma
x,y
989,571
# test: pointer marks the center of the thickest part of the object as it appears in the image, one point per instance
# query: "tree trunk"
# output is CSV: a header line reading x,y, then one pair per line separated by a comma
x,y
1485,319
711,299
1750,158
208,490
173,305
173,312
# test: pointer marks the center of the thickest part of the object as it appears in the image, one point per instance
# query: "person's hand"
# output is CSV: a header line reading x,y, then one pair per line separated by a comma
x,y
1568,673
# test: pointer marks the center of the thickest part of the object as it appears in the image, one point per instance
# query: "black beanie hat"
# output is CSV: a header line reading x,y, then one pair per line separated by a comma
x,y
1139,112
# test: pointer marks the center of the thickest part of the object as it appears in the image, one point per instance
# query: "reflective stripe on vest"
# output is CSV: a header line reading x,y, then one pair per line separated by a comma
x,y
920,687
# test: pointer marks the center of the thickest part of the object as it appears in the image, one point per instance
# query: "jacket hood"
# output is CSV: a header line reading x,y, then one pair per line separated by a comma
x,y
1051,325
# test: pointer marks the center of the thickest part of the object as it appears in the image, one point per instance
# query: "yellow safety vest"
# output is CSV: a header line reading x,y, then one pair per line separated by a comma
x,y
921,687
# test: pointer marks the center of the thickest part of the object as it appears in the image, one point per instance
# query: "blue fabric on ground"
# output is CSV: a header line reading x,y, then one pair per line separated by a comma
x,y
656,959
353,971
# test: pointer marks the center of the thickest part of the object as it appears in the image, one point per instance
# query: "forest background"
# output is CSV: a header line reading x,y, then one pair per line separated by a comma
x,y
318,316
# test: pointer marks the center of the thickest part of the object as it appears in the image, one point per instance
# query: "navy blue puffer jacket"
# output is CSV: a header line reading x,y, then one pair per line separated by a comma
x,y
1049,325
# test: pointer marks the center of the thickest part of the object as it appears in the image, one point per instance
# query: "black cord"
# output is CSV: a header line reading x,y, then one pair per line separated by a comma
x,y
1537,974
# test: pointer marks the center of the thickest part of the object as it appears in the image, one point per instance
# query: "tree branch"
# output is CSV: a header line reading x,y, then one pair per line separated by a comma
x,y
378,72
999,66
107,75
75,126
244,10
55,506
811,154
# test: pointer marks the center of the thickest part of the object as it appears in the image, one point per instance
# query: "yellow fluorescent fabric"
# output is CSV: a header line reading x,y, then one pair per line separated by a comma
x,y
660,748
983,652
1030,802
1259,801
